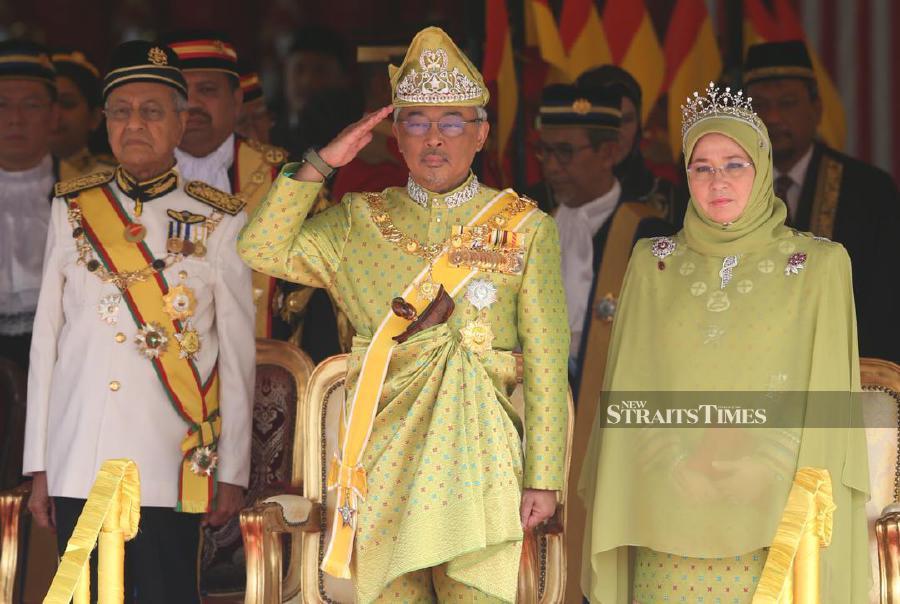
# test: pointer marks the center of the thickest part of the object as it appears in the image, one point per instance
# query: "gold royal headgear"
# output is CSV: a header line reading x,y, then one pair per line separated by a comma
x,y
436,72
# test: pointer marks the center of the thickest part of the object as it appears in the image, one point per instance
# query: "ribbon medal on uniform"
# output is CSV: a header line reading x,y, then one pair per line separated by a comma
x,y
487,249
187,233
151,340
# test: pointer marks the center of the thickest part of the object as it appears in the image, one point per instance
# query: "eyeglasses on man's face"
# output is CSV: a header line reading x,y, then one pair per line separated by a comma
x,y
450,126
148,112
562,152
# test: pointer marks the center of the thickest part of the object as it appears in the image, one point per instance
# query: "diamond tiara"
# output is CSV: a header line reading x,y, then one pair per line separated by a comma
x,y
720,103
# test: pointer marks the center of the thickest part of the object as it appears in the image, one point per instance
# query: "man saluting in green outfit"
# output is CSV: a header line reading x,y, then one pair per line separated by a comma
x,y
442,280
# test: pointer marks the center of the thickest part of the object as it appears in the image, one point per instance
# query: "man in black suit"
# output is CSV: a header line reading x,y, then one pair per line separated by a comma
x,y
598,225
828,193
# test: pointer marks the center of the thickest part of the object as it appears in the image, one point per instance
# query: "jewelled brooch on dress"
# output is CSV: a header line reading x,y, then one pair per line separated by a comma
x,y
662,248
796,262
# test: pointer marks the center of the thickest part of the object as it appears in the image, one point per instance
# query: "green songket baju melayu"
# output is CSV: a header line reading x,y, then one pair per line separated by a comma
x,y
676,513
444,461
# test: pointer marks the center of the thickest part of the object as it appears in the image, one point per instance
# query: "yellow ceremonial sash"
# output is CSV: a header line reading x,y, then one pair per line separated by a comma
x,y
252,177
196,401
791,574
346,473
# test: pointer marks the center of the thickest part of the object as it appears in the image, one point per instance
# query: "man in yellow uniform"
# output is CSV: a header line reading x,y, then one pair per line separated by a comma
x,y
442,280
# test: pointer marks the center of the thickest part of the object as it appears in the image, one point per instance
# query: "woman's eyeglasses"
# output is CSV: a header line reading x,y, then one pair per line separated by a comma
x,y
730,171
449,125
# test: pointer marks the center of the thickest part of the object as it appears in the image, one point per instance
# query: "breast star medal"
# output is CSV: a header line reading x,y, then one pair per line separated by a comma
x,y
180,302
188,342
108,309
481,293
477,336
151,340
204,461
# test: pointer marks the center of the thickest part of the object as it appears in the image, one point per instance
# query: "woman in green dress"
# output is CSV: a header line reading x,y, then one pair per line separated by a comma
x,y
736,307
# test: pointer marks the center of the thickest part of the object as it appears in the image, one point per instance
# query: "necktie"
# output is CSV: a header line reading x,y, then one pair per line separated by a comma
x,y
782,186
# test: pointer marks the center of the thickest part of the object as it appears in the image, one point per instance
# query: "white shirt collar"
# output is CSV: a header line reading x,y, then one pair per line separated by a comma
x,y
211,169
798,172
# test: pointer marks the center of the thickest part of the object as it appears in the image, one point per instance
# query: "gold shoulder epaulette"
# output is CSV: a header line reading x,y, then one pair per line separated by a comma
x,y
76,185
271,154
211,196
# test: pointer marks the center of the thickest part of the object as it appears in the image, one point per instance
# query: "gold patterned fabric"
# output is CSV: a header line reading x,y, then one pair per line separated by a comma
x,y
445,450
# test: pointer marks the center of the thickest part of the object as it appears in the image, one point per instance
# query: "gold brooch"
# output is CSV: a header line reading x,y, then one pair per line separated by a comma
x,y
157,56
180,303
581,106
188,342
477,336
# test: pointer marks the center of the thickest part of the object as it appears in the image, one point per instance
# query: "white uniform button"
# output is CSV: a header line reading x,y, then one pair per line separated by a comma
x,y
114,386
120,337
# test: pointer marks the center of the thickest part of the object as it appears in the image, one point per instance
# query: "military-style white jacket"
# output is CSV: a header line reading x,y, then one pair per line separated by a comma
x,y
93,395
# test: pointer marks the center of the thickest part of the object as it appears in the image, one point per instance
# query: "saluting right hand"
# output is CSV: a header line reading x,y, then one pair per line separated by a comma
x,y
346,145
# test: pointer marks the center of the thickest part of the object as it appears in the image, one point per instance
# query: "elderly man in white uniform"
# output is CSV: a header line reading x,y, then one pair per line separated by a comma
x,y
143,343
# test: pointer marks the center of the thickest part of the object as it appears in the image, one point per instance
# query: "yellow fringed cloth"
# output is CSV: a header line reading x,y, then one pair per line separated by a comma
x,y
111,516
791,573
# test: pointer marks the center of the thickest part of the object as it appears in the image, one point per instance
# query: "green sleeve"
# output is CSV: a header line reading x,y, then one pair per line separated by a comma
x,y
543,328
279,241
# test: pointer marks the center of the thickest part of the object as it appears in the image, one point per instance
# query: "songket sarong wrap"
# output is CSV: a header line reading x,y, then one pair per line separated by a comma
x,y
440,477
444,466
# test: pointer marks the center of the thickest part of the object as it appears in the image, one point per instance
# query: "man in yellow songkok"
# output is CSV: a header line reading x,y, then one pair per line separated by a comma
x,y
433,485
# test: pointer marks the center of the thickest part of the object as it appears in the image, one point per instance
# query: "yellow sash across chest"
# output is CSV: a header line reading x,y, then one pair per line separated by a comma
x,y
196,400
507,211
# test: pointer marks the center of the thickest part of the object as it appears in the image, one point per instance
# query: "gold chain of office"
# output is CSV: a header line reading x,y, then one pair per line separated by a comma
x,y
429,251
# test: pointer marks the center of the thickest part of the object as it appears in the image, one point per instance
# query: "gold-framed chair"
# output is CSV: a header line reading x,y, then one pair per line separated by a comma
x,y
282,375
881,401
543,570
28,555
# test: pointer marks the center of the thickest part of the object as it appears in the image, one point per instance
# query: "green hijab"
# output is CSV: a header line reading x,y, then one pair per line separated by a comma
x,y
766,330
763,218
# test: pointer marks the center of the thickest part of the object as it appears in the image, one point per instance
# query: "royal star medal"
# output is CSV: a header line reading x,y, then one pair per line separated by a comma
x,y
180,303
151,340
346,513
188,342
481,293
204,461
109,309
477,336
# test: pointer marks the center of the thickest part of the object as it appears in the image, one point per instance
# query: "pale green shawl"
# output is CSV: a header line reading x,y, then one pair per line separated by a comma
x,y
713,492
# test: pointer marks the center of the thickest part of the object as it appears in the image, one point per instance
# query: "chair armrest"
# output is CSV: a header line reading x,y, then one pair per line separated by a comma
x,y
261,528
12,506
